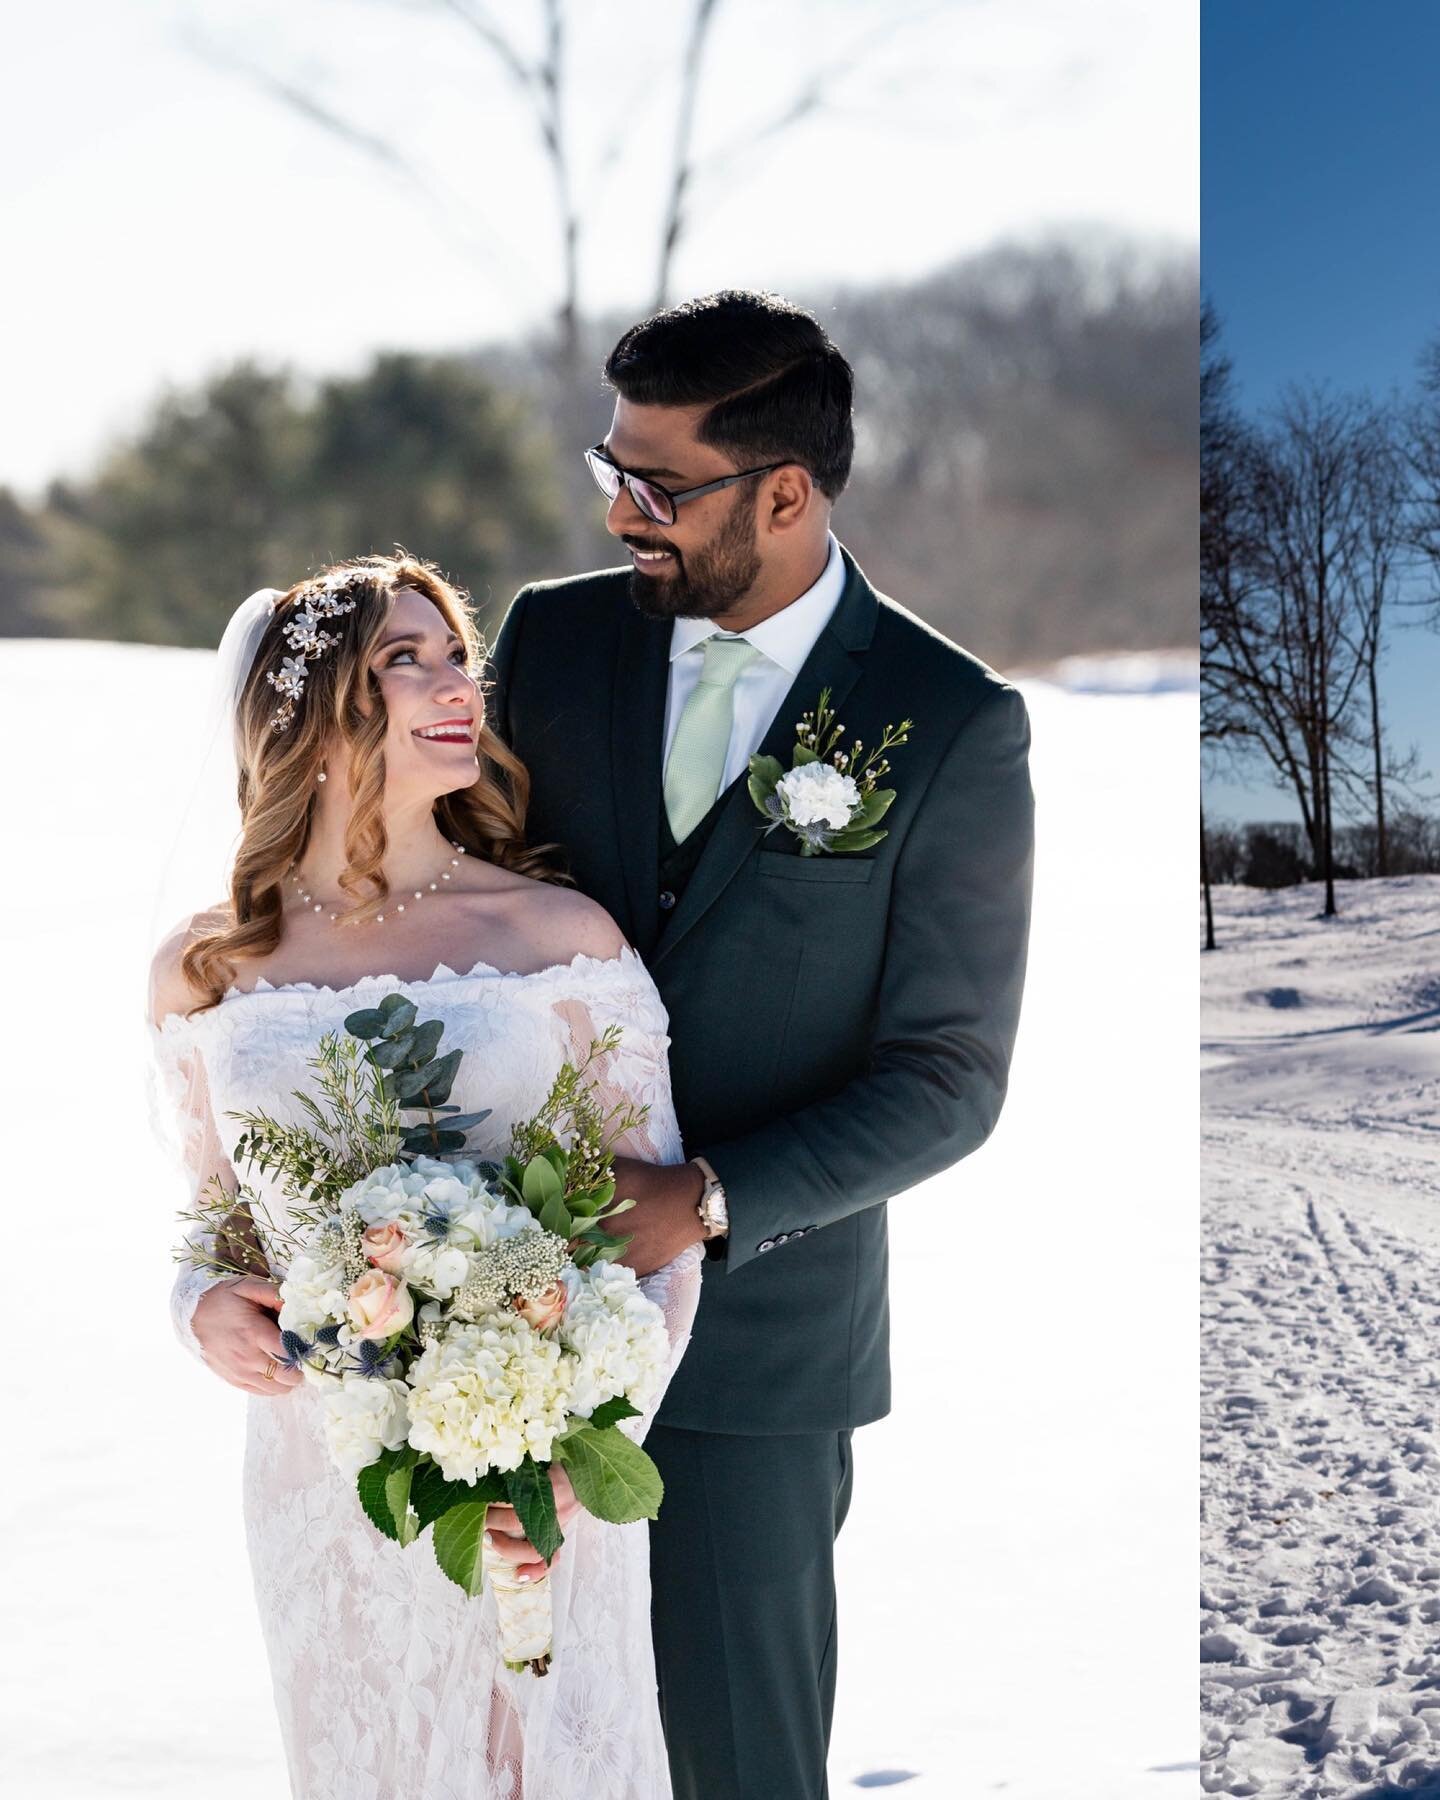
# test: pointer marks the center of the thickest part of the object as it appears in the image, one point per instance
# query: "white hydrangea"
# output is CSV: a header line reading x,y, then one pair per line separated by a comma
x,y
818,794
312,1294
484,1395
414,1195
618,1337
364,1414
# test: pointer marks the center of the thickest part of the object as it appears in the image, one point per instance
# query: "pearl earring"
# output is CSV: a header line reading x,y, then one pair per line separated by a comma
x,y
320,776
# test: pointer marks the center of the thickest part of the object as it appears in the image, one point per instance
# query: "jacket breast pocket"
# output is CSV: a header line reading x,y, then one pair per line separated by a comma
x,y
845,870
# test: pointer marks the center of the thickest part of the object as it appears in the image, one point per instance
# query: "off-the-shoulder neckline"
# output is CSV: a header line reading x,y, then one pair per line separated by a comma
x,y
579,963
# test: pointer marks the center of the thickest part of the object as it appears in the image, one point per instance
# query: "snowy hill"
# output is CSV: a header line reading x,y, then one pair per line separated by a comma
x,y
1321,1163
1016,1575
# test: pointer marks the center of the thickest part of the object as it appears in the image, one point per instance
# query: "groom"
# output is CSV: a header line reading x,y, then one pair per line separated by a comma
x,y
841,1023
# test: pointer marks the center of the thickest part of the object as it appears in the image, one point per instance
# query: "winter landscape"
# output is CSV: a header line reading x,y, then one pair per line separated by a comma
x,y
1321,1170
1016,1574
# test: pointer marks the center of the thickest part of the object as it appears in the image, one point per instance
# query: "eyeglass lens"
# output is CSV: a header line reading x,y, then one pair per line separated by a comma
x,y
650,500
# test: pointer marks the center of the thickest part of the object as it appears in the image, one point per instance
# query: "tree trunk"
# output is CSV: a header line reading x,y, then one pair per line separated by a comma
x,y
1382,855
1205,882
1327,833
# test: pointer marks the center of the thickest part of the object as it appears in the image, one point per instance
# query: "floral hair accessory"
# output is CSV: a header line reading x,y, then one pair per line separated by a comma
x,y
309,642
831,798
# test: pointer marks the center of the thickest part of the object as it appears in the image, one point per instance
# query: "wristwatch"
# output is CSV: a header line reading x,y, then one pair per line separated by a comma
x,y
712,1210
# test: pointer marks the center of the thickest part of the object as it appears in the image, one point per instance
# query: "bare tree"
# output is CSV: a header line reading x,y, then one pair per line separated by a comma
x,y
1382,498
1294,583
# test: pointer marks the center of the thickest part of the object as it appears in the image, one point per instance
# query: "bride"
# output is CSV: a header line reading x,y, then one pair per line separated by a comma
x,y
382,847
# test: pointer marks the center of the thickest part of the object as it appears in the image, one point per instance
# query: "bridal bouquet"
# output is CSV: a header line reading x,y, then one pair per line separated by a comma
x,y
466,1324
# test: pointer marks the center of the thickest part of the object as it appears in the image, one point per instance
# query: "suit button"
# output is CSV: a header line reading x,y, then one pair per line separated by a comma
x,y
784,1237
769,1244
667,899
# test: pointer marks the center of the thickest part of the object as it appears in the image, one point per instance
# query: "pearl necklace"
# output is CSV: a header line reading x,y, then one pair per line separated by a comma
x,y
319,905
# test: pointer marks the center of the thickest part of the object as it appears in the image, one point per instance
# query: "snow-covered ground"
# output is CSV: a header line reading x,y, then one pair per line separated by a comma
x,y
1017,1572
1321,1385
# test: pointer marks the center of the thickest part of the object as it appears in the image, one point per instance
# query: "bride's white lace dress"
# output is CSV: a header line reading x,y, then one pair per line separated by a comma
x,y
386,1677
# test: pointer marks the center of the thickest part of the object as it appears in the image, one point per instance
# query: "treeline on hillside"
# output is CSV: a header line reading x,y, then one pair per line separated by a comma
x,y
1278,854
1024,478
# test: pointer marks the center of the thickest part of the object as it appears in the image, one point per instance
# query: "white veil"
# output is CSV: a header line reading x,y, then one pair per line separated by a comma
x,y
196,872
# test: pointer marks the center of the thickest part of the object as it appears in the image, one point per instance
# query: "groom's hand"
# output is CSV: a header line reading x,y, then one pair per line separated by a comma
x,y
506,1535
663,1221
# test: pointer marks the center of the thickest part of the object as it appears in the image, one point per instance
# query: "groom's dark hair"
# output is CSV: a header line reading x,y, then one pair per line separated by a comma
x,y
777,388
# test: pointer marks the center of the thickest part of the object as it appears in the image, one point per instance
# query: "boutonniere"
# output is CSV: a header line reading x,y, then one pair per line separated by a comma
x,y
830,798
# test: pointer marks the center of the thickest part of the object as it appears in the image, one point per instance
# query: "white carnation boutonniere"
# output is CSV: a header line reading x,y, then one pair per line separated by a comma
x,y
830,797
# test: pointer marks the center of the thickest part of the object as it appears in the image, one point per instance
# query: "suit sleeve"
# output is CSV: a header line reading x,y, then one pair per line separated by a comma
x,y
500,668
946,1013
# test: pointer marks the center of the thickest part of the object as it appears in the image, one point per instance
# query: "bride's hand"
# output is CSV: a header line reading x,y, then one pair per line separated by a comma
x,y
506,1535
238,1337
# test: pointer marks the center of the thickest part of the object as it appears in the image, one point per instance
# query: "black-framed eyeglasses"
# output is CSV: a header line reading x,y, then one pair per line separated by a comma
x,y
658,503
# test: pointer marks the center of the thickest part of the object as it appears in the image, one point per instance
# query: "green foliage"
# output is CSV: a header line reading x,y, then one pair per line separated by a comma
x,y
432,1495
612,1476
459,1539
533,1498
353,1127
255,480
384,1488
411,1077
765,775
611,1412
562,1160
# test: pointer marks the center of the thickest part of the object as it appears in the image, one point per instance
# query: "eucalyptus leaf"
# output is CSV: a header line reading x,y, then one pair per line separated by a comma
x,y
400,1014
459,1541
425,1039
368,1023
389,1053
464,1121
612,1476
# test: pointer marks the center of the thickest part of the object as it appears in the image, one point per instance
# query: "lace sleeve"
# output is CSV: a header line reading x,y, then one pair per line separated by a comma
x,y
181,1113
622,993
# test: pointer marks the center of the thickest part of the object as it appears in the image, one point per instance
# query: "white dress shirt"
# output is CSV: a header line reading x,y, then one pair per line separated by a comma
x,y
784,640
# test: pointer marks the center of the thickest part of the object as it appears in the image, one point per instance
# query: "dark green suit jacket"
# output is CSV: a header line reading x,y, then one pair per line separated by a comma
x,y
841,1026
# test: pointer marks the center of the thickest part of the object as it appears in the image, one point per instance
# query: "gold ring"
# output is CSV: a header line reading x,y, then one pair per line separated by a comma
x,y
270,1367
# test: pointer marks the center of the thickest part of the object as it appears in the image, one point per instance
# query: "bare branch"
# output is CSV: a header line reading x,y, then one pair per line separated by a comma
x,y
681,169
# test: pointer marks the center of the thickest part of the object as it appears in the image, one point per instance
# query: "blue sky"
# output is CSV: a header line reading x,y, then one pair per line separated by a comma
x,y
1320,240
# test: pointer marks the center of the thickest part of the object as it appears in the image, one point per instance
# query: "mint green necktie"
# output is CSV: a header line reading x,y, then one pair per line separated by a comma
x,y
702,738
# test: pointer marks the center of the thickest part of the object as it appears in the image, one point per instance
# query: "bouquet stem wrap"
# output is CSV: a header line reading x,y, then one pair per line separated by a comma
x,y
522,1610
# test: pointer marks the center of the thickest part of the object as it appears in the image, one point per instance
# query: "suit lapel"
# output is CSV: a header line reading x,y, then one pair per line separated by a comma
x,y
835,663
637,726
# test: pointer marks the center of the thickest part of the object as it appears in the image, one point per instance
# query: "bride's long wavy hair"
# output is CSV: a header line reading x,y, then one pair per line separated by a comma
x,y
279,770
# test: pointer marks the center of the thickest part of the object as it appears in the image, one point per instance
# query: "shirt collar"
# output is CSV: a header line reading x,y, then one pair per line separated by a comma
x,y
788,636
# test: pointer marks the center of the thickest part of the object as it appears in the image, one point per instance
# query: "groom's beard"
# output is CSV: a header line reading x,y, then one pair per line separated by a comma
x,y
705,583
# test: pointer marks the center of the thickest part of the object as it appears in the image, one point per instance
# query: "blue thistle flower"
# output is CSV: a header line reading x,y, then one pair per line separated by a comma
x,y
296,1348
